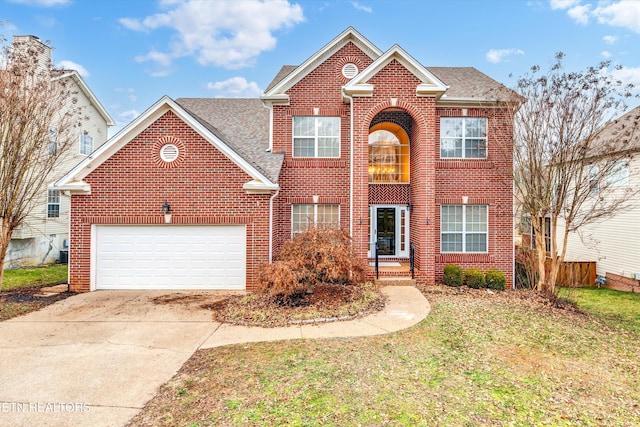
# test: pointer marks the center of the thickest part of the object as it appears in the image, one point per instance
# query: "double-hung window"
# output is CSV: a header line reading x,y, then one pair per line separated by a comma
x,y
315,136
464,228
86,144
463,137
618,174
53,204
53,140
308,216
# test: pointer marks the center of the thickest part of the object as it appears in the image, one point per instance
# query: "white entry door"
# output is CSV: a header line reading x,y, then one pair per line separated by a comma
x,y
169,257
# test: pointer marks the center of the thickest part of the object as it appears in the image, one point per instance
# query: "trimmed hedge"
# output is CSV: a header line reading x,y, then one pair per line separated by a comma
x,y
452,275
474,278
495,280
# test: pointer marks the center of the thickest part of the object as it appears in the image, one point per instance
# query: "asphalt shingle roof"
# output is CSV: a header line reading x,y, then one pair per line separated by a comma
x,y
243,124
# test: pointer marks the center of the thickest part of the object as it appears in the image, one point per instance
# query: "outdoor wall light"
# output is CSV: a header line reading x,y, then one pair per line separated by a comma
x,y
166,208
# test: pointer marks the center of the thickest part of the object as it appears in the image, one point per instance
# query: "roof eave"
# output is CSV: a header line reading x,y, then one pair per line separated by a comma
x,y
277,99
259,187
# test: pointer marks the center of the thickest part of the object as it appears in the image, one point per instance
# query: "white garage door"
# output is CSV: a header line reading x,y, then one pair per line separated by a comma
x,y
170,257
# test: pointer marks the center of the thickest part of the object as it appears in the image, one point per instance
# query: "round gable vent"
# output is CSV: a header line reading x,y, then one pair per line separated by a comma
x,y
349,70
169,153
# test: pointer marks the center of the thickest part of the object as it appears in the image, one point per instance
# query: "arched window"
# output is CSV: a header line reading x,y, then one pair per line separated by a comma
x,y
388,154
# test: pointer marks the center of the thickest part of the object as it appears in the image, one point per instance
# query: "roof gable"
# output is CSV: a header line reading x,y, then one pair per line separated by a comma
x,y
73,180
276,93
430,85
79,81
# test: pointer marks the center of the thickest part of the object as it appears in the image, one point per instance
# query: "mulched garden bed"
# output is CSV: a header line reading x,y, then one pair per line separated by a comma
x,y
327,303
20,301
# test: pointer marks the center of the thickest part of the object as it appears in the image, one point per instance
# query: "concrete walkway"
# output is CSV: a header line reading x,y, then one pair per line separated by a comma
x,y
96,358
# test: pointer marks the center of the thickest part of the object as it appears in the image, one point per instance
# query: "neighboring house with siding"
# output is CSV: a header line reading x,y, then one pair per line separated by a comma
x,y
45,232
199,193
614,243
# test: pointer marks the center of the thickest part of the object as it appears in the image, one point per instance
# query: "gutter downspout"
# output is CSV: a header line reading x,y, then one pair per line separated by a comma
x,y
271,225
350,162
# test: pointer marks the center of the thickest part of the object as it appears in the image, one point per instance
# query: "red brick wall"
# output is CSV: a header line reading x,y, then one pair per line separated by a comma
x,y
301,179
483,181
433,181
202,186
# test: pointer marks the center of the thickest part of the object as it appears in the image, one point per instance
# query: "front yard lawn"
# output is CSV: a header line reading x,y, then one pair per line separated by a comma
x,y
20,289
508,358
617,307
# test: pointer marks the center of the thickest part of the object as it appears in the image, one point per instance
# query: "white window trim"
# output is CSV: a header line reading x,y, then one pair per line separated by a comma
x,y
49,203
618,176
315,138
84,135
315,214
464,230
464,137
52,148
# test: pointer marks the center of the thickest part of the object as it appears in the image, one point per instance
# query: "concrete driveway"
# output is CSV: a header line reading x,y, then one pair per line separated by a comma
x,y
95,359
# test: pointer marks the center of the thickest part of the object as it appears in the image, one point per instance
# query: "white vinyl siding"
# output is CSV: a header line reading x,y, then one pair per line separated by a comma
x,y
464,228
316,136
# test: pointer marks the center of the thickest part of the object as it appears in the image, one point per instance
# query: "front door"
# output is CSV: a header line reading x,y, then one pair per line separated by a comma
x,y
389,228
386,226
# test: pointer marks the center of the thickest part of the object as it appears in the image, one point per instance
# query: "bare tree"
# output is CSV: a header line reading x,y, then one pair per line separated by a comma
x,y
37,115
567,151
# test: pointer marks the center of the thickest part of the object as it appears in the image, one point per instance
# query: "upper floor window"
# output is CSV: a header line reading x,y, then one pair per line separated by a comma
x,y
315,136
618,174
53,204
86,144
388,154
463,137
53,140
464,228
306,216
615,175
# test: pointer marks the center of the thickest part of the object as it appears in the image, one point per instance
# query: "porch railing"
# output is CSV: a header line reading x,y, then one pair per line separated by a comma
x,y
377,262
412,258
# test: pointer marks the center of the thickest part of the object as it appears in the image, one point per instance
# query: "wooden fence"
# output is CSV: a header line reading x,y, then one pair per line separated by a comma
x,y
573,274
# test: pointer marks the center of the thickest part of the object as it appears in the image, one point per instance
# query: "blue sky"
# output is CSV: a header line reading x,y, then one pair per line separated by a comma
x,y
132,52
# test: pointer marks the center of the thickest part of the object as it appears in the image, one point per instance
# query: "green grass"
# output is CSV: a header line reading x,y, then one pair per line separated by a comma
x,y
510,358
614,307
37,276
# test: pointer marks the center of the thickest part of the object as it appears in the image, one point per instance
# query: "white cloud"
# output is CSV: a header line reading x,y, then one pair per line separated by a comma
x,y
624,13
70,65
628,75
225,34
580,13
498,55
362,7
563,4
128,115
235,87
617,13
160,58
610,39
605,54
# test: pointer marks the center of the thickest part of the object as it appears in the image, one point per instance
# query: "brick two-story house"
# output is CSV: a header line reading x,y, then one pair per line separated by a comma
x,y
199,193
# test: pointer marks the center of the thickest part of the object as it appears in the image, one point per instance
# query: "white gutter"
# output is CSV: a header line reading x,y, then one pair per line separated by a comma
x,y
271,225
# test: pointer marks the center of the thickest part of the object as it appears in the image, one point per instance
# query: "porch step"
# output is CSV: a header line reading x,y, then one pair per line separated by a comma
x,y
395,281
